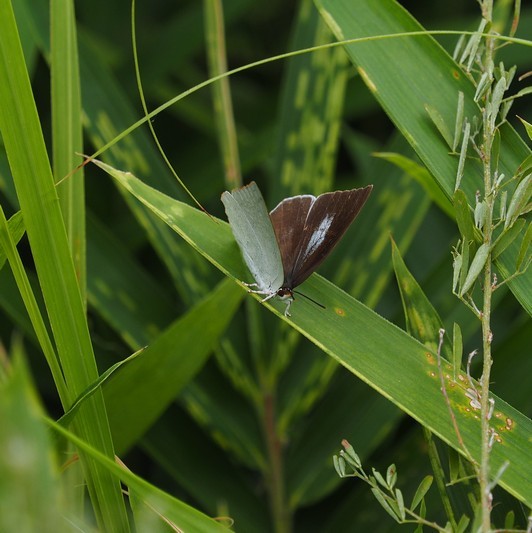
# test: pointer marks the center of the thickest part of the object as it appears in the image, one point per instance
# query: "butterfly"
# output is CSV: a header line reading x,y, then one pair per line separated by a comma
x,y
284,247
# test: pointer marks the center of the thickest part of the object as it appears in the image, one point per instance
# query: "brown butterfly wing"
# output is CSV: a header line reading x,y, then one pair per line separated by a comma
x,y
288,220
327,219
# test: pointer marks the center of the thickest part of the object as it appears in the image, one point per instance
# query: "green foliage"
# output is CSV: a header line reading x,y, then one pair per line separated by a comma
x,y
226,403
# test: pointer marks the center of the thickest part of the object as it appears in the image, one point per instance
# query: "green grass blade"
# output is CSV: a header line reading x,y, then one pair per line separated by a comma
x,y
422,320
8,247
379,353
67,130
67,418
221,92
16,231
25,147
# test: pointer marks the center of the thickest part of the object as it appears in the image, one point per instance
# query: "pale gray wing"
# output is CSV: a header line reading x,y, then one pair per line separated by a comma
x,y
253,231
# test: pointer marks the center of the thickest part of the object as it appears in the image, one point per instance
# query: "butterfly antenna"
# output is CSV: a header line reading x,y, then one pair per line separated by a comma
x,y
309,298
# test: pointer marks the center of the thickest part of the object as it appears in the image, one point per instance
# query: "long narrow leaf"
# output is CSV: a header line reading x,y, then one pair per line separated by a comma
x,y
67,131
422,320
379,353
26,151
8,247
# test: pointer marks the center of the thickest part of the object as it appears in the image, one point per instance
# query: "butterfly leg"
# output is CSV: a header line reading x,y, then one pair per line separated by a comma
x,y
260,291
288,304
269,296
268,293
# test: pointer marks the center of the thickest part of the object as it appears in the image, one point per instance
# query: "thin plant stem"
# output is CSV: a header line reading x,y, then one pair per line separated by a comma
x,y
485,378
275,475
439,477
448,402
221,92
489,197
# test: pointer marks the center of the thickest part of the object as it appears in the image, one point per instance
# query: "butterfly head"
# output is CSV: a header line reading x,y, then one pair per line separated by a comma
x,y
287,295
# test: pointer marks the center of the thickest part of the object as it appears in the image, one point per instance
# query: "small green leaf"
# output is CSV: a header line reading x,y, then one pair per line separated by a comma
x,y
509,74
459,123
423,509
463,216
470,50
525,167
459,47
503,205
509,520
462,524
339,465
476,267
505,108
66,419
454,466
440,124
495,149
496,99
351,455
465,262
386,506
480,214
506,238
400,503
483,85
519,200
528,127
523,92
391,476
422,489
463,155
379,478
457,268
